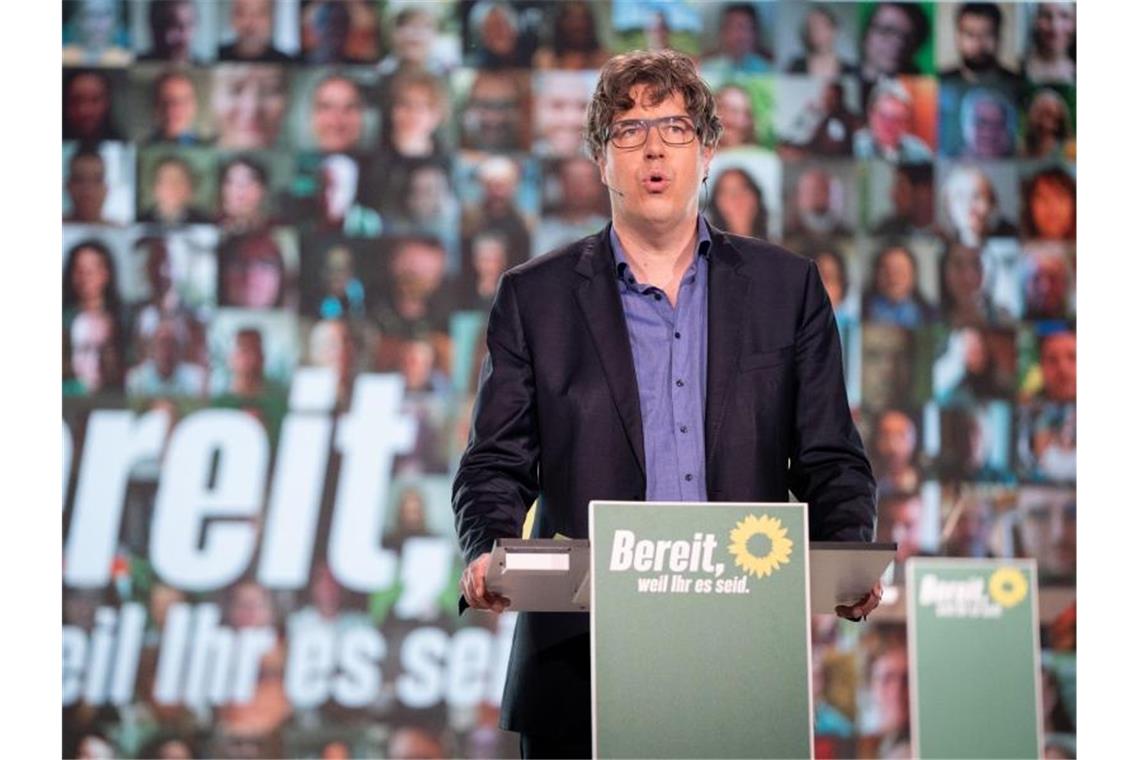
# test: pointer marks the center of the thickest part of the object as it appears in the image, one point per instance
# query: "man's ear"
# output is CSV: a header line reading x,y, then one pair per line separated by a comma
x,y
707,152
600,162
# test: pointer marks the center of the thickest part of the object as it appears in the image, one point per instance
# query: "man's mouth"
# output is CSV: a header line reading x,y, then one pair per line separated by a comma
x,y
655,182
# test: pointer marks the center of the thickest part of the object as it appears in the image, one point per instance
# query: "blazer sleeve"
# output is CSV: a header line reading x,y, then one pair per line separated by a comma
x,y
828,467
497,479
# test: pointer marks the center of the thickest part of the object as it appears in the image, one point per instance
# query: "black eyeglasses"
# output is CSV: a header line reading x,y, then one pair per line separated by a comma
x,y
632,133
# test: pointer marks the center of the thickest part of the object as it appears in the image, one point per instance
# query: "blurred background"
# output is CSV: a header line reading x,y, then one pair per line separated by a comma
x,y
284,223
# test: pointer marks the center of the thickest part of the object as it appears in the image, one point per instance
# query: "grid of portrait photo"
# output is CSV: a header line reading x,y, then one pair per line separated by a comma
x,y
284,226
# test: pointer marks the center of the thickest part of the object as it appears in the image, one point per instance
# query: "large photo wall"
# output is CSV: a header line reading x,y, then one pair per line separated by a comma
x,y
284,224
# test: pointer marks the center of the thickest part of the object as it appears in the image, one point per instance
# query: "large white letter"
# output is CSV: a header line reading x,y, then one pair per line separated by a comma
x,y
298,478
215,467
115,440
369,437
622,556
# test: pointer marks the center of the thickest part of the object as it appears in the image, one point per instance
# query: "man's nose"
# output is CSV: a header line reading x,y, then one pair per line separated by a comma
x,y
654,146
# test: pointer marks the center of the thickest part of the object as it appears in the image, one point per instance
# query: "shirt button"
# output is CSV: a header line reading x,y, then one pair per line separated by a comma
x,y
684,428
688,476
680,382
677,335
657,296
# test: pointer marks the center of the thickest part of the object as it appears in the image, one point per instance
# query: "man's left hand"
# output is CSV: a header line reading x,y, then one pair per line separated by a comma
x,y
861,609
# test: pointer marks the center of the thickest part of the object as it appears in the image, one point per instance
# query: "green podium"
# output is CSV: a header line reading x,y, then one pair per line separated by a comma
x,y
700,630
975,658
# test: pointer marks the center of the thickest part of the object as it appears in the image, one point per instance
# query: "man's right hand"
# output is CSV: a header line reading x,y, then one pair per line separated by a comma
x,y
473,584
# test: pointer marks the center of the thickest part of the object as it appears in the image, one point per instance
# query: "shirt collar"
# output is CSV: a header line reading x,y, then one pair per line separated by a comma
x,y
704,243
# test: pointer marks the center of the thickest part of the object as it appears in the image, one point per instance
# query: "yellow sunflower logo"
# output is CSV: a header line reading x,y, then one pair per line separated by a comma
x,y
1008,586
779,550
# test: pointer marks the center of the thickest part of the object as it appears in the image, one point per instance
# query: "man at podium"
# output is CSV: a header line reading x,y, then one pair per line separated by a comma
x,y
660,359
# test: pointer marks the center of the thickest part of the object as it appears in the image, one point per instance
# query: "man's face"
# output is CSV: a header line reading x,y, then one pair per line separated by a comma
x,y
887,39
991,132
418,269
338,270
977,42
497,34
87,188
492,118
254,278
735,114
1047,115
906,528
242,192
1059,366
250,607
175,36
412,40
890,120
560,112
581,190
971,204
338,116
499,188
813,194
176,107
890,689
1049,285
247,360
427,189
88,103
173,189
332,347
250,102
252,22
1048,532
415,112
895,440
737,34
895,278
416,364
489,258
91,334
820,30
655,184
1054,27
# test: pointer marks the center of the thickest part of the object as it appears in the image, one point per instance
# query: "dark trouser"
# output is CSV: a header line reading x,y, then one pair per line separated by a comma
x,y
538,746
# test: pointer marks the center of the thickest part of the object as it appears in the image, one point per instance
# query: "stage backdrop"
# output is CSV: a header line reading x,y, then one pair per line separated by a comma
x,y
283,227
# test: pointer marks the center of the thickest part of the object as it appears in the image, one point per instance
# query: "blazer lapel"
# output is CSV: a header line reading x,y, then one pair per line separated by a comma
x,y
727,297
598,298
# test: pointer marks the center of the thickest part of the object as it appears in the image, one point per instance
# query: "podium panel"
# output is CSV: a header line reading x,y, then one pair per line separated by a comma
x,y
975,658
700,630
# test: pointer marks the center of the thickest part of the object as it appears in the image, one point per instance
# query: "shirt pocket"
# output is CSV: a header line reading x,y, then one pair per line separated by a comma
x,y
762,359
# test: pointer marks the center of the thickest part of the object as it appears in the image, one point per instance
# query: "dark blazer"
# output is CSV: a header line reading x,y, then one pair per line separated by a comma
x,y
557,414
